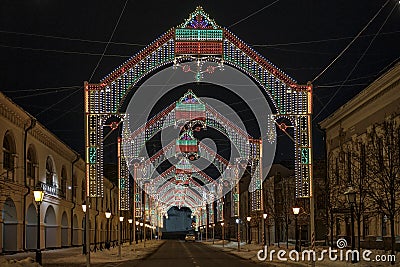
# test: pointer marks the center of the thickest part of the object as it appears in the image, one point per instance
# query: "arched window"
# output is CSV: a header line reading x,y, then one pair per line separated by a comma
x,y
31,164
63,181
8,155
49,171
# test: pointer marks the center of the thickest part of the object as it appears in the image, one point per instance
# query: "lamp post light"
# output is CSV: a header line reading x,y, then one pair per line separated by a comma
x,y
136,232
223,234
86,246
141,231
265,216
248,218
238,232
296,211
121,219
130,231
351,198
201,233
108,216
213,227
144,234
84,231
38,194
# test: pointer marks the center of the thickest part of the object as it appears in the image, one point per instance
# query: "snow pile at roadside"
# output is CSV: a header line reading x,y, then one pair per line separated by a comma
x,y
27,262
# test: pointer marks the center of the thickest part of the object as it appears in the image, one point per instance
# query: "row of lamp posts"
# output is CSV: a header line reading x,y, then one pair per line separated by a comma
x,y
39,194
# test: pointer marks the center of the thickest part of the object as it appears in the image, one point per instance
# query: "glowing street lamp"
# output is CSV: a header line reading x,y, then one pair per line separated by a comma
x,y
265,216
38,194
296,211
121,219
248,218
213,227
108,216
130,231
223,234
238,232
84,207
136,232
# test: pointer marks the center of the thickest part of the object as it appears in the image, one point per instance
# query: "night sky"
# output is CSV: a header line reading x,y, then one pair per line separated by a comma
x,y
49,48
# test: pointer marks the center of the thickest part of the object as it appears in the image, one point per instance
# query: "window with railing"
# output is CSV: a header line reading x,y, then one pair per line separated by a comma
x,y
63,180
31,165
83,192
75,188
8,155
49,171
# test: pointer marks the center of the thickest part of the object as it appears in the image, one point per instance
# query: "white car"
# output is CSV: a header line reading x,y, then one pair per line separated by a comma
x,y
190,237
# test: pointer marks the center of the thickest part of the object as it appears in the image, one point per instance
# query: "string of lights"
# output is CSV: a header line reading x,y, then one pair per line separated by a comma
x,y
358,61
254,13
62,51
352,41
109,40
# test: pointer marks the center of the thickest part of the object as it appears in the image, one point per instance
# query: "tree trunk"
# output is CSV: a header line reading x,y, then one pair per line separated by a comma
x,y
359,233
287,234
332,225
393,237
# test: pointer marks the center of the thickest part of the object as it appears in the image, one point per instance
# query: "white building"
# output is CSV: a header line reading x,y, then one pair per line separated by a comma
x,y
31,156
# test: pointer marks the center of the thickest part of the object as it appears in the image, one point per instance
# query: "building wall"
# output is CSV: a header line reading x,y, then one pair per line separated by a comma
x,y
61,215
346,130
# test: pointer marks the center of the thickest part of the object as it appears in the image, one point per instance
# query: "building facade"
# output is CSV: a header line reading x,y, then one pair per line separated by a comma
x,y
362,153
32,156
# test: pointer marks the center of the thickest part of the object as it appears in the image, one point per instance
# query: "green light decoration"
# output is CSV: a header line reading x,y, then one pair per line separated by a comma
x,y
305,156
92,155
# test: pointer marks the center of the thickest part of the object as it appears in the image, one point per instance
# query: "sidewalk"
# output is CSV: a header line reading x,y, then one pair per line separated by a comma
x,y
249,252
74,257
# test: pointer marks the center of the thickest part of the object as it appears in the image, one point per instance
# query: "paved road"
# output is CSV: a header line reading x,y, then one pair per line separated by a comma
x,y
181,254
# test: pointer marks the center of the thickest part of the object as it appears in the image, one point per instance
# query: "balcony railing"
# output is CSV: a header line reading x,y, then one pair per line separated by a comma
x,y
51,190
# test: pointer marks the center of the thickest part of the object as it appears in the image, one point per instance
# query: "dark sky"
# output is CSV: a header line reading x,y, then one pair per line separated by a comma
x,y
48,48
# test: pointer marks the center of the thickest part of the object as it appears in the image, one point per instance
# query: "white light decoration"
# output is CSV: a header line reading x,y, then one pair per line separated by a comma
x,y
212,43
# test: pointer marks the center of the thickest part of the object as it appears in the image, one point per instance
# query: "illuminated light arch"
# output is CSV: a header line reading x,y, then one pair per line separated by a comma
x,y
198,38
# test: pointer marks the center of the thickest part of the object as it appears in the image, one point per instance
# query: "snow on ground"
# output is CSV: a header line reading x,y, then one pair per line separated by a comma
x,y
27,262
75,256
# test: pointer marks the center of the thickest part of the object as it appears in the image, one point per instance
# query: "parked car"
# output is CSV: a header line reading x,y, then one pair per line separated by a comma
x,y
190,237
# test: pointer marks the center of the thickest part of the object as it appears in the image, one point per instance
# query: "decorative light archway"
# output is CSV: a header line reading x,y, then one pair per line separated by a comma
x,y
198,38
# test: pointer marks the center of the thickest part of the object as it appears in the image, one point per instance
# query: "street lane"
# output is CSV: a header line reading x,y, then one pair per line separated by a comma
x,y
182,254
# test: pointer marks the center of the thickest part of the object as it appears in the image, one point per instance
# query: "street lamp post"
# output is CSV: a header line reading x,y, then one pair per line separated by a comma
x,y
296,211
351,198
84,229
108,215
136,232
213,226
238,232
141,231
144,234
265,215
130,231
201,233
223,234
248,230
121,219
38,193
